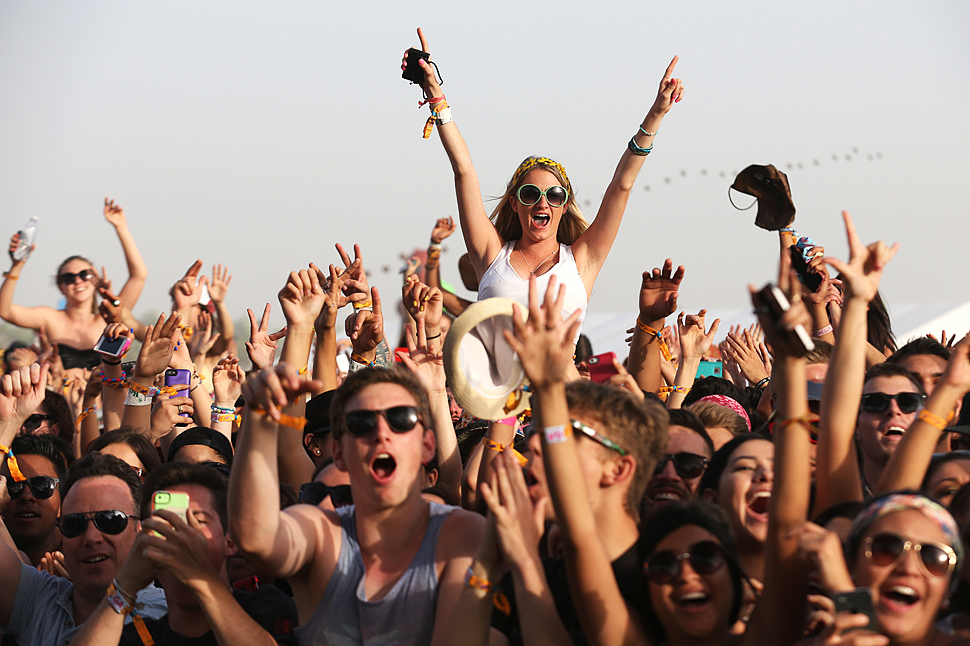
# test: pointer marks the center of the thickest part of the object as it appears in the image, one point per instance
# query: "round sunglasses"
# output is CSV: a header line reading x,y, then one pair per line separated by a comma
x,y
705,557
67,278
935,559
400,419
108,521
530,194
879,402
687,465
42,487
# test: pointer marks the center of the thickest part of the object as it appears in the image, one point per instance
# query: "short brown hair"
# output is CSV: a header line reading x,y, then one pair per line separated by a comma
x,y
713,415
361,379
172,474
640,428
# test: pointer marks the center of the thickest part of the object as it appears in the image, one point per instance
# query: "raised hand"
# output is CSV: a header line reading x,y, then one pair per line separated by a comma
x,y
861,275
353,276
219,284
422,301
671,90
21,393
167,413
114,214
659,292
368,329
430,84
443,228
159,346
203,340
302,298
518,523
227,380
261,346
188,290
744,351
543,341
694,342
423,360
273,388
14,243
779,334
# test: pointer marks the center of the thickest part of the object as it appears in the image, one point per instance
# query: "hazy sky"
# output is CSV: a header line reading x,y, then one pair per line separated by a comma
x,y
257,134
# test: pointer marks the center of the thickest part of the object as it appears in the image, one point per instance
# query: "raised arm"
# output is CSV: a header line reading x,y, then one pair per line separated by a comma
x,y
218,287
154,357
543,343
658,300
908,464
481,239
595,243
282,543
694,344
443,228
137,269
33,318
837,476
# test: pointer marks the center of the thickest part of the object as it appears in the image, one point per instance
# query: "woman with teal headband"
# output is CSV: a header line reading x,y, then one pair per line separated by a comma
x,y
537,228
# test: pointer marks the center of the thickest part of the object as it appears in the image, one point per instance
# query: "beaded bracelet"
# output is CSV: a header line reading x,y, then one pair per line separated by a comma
x,y
660,340
932,419
637,150
114,382
222,409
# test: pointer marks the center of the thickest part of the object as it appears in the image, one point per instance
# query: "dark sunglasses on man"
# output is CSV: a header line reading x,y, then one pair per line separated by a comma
x,y
400,419
687,465
313,493
33,422
879,402
107,521
42,487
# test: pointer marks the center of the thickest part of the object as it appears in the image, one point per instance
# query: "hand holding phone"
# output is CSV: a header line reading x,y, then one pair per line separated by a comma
x,y
174,378
176,502
112,348
857,602
770,301
601,367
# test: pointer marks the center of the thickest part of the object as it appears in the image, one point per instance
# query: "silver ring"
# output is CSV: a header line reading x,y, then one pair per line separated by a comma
x,y
180,408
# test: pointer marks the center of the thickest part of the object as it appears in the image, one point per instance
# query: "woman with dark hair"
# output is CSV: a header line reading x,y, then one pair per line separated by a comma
x,y
131,446
537,228
78,326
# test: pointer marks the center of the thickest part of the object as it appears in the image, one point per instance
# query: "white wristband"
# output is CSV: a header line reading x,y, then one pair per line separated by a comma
x,y
444,117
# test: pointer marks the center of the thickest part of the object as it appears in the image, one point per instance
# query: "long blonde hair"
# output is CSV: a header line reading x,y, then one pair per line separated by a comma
x,y
572,224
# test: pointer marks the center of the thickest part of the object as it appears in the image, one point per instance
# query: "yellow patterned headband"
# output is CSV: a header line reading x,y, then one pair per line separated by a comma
x,y
532,162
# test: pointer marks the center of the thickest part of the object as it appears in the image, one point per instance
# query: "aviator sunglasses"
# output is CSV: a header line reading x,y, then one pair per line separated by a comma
x,y
879,402
108,521
935,559
42,487
705,557
68,278
530,194
401,419
687,465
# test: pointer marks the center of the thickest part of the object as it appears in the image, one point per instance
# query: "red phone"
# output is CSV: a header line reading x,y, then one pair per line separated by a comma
x,y
601,367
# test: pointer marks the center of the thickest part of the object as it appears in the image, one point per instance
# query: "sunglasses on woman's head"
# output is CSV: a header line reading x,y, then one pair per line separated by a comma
x,y
705,557
67,278
401,419
935,559
591,433
42,487
530,194
879,402
33,422
687,465
108,521
313,493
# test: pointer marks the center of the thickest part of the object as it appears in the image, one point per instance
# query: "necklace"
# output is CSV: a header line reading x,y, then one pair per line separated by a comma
x,y
532,272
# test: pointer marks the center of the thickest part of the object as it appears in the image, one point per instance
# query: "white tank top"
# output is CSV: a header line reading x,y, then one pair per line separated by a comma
x,y
500,279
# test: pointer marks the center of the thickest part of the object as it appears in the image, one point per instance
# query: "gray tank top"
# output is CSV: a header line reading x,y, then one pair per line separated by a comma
x,y
405,616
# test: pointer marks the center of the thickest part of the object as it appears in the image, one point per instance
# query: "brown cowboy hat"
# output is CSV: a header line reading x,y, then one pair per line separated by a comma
x,y
770,186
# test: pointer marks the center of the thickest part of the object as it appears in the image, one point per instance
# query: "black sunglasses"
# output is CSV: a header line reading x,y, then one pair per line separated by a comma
x,y
879,402
33,422
705,557
42,487
935,559
313,493
68,278
401,419
687,465
108,521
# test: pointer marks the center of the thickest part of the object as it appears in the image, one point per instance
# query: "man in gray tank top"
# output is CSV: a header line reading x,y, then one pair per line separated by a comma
x,y
386,570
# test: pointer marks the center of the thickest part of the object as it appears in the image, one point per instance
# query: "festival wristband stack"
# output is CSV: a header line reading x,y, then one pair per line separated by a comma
x,y
224,414
139,395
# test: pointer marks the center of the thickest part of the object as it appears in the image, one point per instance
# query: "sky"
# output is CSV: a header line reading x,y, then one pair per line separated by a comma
x,y
258,134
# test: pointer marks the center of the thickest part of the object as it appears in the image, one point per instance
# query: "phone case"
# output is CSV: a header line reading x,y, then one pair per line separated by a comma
x,y
601,366
174,501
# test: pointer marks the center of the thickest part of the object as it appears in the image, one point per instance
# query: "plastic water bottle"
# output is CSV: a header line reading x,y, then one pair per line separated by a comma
x,y
27,236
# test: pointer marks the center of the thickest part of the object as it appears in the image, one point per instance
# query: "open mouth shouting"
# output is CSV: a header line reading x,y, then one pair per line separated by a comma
x,y
382,467
692,601
758,505
898,598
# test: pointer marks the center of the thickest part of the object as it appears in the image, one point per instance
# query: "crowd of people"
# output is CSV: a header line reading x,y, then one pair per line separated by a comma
x,y
815,493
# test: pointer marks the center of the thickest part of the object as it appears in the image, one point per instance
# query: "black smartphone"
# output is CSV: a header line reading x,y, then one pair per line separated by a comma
x,y
809,278
775,304
412,70
857,602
